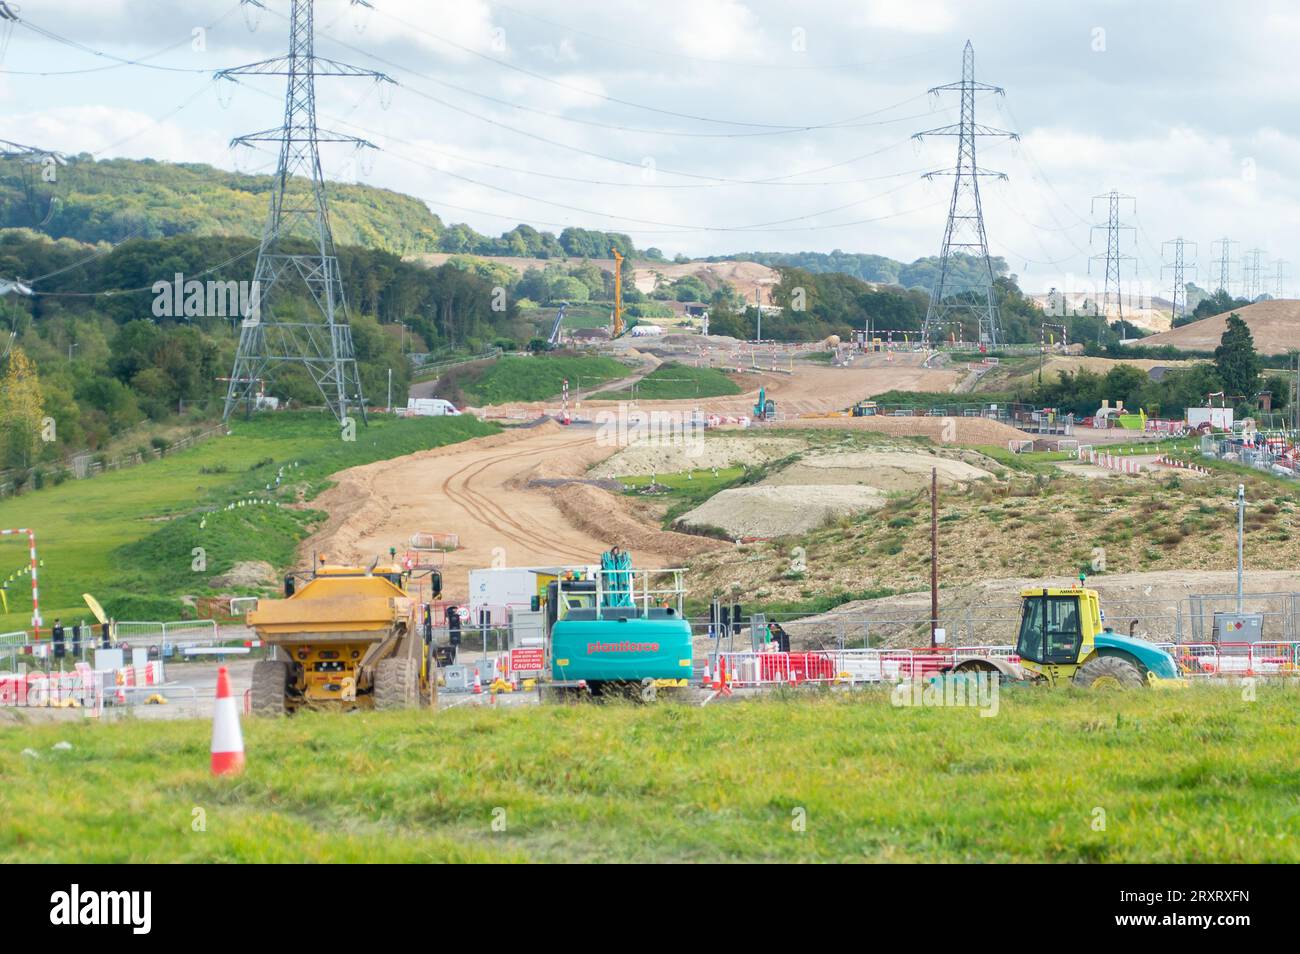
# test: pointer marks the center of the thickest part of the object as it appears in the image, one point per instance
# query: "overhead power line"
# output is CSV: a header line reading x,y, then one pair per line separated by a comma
x,y
117,61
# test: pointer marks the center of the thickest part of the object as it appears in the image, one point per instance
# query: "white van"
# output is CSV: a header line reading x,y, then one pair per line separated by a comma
x,y
430,407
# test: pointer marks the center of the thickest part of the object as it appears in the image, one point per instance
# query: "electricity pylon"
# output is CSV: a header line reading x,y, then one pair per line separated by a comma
x,y
1180,268
954,293
1252,274
1224,263
321,343
1113,258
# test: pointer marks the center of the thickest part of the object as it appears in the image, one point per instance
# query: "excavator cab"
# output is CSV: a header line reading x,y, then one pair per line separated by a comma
x,y
1062,639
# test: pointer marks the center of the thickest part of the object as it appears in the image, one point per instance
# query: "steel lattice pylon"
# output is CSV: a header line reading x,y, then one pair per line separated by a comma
x,y
1113,257
322,345
1178,296
1224,263
1252,274
965,229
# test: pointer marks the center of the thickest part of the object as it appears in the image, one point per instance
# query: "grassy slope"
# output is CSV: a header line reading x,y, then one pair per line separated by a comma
x,y
1041,523
131,532
542,376
1196,775
671,380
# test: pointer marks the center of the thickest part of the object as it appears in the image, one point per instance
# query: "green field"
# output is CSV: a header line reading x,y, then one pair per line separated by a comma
x,y
128,536
536,378
671,381
1058,776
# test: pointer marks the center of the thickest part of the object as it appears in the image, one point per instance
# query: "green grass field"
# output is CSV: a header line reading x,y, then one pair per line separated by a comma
x,y
536,378
671,381
1057,776
127,537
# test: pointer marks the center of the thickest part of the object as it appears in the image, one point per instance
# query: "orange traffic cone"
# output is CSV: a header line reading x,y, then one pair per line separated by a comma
x,y
227,740
478,683
708,676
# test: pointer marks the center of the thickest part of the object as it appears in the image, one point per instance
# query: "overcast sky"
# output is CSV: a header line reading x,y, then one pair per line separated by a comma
x,y
686,123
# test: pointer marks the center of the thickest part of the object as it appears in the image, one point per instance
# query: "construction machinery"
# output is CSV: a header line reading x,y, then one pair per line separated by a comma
x,y
618,292
554,340
1063,639
865,409
614,630
346,637
764,407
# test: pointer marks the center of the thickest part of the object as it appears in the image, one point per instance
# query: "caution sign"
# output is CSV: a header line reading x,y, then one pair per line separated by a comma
x,y
528,659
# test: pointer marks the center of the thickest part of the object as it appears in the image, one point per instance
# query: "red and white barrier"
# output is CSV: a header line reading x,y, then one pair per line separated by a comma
x,y
1181,465
751,670
1116,462
1269,658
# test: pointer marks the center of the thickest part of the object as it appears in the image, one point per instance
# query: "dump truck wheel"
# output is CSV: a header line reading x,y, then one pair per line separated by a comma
x,y
1102,672
270,683
397,684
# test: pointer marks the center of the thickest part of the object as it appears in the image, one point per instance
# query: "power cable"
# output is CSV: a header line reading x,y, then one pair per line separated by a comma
x,y
119,61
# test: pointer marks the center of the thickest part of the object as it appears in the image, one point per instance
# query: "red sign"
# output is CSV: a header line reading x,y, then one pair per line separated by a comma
x,y
527,660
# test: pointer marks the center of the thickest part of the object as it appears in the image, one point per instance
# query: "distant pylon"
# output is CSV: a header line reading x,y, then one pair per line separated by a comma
x,y
953,293
1180,267
1113,258
1279,278
1252,274
320,343
1223,263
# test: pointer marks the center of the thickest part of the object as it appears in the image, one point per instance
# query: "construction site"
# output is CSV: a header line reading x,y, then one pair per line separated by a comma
x,y
658,562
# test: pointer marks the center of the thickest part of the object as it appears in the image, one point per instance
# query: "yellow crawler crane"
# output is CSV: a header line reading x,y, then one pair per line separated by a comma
x,y
345,637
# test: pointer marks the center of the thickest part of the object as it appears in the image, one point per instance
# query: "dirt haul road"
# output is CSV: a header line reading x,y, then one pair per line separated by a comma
x,y
811,389
479,489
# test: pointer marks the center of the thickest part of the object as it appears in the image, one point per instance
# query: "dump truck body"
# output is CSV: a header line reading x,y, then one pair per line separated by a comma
x,y
333,633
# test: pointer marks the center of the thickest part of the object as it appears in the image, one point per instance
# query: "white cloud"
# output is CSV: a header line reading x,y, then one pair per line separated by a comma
x,y
716,29
1168,115
908,16
122,132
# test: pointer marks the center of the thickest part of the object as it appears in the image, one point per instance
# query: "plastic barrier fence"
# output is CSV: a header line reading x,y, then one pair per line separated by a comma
x,y
852,666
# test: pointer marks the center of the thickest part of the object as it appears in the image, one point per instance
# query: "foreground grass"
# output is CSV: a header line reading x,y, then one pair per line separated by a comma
x,y
128,536
1197,775
671,381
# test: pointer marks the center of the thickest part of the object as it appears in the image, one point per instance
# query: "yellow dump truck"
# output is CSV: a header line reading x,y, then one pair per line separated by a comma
x,y
345,637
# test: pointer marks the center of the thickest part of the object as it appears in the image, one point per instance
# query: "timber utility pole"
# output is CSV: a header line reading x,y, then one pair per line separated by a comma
x,y
934,556
297,249
965,286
